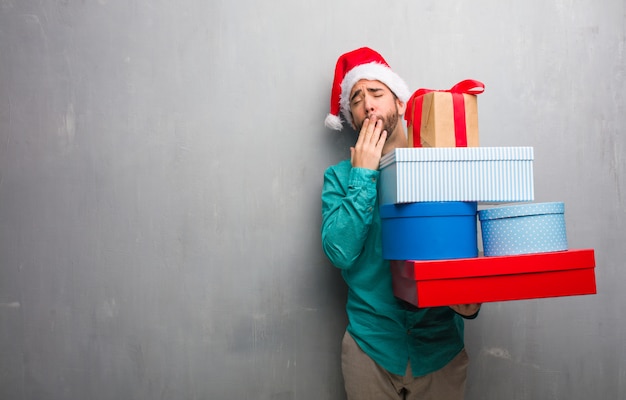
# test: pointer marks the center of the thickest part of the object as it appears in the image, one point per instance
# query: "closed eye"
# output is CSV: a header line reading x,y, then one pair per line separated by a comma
x,y
355,95
358,95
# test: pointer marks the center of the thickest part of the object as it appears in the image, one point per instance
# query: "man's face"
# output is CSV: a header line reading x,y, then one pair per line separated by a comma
x,y
369,98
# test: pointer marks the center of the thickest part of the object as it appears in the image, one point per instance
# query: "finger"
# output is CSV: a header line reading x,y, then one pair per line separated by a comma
x,y
376,132
371,124
363,131
371,128
381,141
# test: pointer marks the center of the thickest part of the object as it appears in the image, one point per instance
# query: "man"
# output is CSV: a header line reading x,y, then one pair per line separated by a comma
x,y
391,350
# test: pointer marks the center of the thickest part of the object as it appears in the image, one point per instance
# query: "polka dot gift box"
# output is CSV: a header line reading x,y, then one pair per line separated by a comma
x,y
523,229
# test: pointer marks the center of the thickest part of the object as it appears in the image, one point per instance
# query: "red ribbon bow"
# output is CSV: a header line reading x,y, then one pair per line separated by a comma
x,y
413,114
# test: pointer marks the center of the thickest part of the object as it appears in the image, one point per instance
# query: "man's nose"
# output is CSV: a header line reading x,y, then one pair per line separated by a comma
x,y
369,106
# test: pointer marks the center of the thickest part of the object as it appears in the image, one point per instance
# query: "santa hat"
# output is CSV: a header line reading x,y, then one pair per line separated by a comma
x,y
363,63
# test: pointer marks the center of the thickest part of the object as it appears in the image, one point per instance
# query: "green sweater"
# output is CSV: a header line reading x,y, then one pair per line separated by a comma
x,y
387,330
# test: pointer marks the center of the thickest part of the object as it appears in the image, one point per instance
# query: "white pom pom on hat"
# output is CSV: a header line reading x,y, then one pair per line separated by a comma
x,y
363,63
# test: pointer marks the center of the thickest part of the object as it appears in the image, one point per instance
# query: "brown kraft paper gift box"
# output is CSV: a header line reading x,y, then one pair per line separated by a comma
x,y
447,118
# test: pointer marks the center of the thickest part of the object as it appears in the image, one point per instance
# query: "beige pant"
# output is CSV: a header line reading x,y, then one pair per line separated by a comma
x,y
366,380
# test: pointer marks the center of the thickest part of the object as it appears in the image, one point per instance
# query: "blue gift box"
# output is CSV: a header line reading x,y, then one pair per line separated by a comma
x,y
429,230
523,229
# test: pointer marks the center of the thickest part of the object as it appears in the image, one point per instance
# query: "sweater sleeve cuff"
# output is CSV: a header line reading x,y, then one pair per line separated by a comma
x,y
360,177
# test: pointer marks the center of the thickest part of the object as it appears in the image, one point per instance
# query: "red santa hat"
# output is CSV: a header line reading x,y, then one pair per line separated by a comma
x,y
363,63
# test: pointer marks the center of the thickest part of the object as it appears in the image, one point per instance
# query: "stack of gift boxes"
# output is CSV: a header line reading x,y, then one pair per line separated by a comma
x,y
429,199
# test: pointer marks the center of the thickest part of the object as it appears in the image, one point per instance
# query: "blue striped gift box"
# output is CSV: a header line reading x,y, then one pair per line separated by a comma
x,y
480,174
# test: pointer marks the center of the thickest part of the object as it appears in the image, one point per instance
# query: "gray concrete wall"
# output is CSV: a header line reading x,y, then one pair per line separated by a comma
x,y
160,171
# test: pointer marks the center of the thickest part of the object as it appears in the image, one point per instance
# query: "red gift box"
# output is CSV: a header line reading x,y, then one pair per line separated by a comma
x,y
488,279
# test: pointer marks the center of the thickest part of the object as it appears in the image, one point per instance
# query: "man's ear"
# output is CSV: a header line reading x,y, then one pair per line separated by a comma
x,y
401,106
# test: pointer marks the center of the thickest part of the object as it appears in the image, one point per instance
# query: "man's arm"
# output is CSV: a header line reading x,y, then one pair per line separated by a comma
x,y
349,197
348,201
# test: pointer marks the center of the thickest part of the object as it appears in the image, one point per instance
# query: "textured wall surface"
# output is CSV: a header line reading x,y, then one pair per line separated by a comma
x,y
160,172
